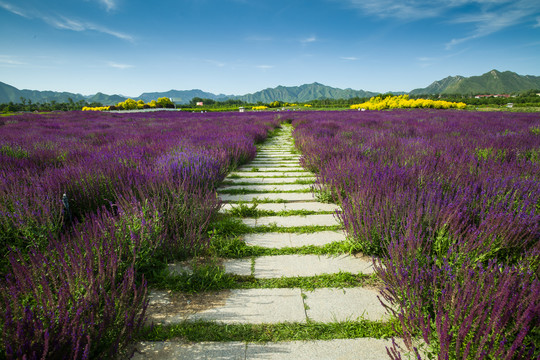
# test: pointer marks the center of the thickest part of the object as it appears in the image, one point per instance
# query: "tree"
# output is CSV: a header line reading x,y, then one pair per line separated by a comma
x,y
165,102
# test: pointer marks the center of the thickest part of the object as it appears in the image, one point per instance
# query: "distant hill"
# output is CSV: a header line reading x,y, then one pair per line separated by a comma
x,y
492,82
9,93
182,96
303,93
290,94
106,99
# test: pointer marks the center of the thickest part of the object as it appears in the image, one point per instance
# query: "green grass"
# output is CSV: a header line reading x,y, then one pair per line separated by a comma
x,y
247,183
209,331
226,225
295,229
261,201
324,196
244,191
340,280
285,157
270,171
236,176
213,278
293,180
204,277
304,182
234,248
243,210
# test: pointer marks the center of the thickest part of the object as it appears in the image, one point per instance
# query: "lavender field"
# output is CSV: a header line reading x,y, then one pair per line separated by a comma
x,y
89,202
449,203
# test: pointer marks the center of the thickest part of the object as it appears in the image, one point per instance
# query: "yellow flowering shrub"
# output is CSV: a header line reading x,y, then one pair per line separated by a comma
x,y
403,102
97,108
307,105
259,107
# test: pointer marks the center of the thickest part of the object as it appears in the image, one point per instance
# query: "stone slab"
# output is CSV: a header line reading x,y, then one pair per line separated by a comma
x,y
276,154
269,240
169,350
311,206
267,164
257,306
336,349
276,161
273,161
278,151
267,267
308,265
342,349
282,187
331,305
266,169
263,180
281,240
292,221
268,174
319,238
240,267
291,157
269,196
268,206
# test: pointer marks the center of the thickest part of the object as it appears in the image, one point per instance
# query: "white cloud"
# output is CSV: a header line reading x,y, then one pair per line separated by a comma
x,y
265,67
215,62
537,22
109,4
494,20
9,61
119,66
349,58
487,16
65,23
404,9
309,40
13,9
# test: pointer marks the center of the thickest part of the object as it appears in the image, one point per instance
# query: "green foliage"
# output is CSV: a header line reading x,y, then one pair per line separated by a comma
x,y
340,280
15,152
203,277
490,153
224,225
211,331
243,210
324,196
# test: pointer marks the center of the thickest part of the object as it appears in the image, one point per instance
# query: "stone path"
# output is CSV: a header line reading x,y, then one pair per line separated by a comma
x,y
275,175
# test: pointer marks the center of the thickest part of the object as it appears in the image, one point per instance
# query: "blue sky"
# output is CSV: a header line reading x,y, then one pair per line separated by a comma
x,y
242,46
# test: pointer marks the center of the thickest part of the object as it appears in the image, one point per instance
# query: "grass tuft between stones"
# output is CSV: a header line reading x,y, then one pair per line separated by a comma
x,y
199,331
215,279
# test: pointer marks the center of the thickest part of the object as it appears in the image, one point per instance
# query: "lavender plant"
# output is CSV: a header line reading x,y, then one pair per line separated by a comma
x,y
449,202
138,189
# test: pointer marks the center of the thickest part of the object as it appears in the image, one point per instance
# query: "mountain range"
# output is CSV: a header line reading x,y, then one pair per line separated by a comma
x,y
492,82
